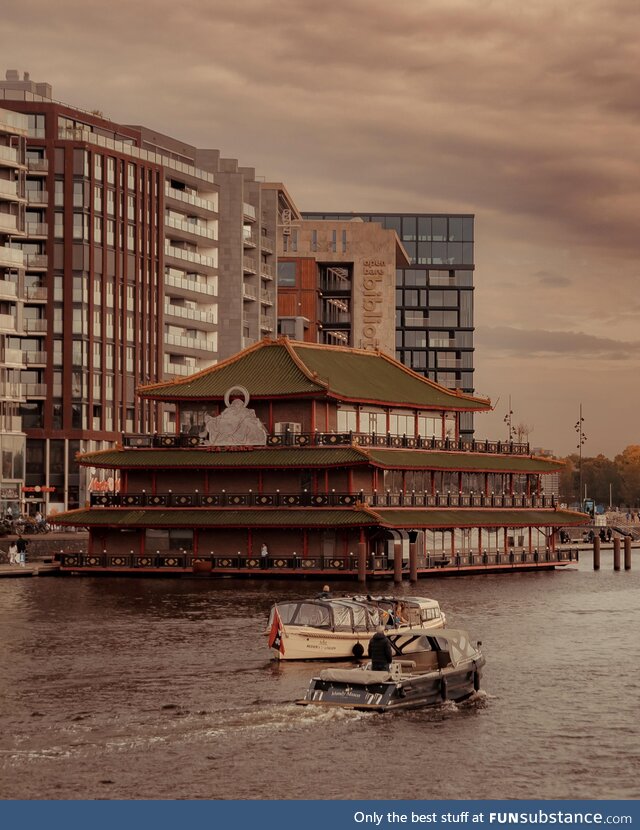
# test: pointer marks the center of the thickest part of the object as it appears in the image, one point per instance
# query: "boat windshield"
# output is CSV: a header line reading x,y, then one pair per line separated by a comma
x,y
314,614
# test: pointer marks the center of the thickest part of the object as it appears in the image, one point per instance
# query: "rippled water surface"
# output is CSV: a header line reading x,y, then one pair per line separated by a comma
x,y
127,688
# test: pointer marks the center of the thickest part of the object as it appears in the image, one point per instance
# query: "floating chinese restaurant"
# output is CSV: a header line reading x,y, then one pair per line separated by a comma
x,y
300,459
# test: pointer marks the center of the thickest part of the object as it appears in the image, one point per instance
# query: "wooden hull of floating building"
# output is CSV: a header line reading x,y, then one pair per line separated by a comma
x,y
348,464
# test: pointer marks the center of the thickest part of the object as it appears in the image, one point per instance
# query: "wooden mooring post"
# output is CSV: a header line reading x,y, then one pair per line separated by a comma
x,y
596,554
616,554
397,563
627,553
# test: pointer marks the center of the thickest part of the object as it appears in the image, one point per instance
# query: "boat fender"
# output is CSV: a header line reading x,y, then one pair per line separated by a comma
x,y
476,681
443,688
358,650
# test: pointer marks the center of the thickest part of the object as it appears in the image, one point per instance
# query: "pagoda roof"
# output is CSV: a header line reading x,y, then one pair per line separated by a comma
x,y
275,457
216,517
340,456
286,368
483,517
358,516
480,462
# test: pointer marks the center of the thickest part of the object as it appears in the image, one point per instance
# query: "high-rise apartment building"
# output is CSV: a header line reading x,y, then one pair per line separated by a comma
x,y
132,241
13,290
434,295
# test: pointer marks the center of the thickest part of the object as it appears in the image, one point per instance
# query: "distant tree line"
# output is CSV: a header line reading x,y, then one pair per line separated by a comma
x,y
617,481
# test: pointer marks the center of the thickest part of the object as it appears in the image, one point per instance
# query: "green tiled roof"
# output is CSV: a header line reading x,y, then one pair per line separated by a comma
x,y
266,369
316,517
279,457
281,367
203,459
204,517
367,376
485,517
476,462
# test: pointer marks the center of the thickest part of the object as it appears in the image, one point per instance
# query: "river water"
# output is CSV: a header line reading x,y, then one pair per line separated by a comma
x,y
163,688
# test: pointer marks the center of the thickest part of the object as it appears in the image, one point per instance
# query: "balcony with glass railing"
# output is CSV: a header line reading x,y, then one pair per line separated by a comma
x,y
266,270
35,325
187,198
36,261
38,165
179,369
9,157
189,313
174,280
249,293
36,293
8,222
13,357
249,212
37,229
7,323
200,344
33,358
35,390
78,134
266,243
266,324
14,123
249,265
37,197
11,257
9,191
249,240
267,298
190,228
11,391
8,290
189,256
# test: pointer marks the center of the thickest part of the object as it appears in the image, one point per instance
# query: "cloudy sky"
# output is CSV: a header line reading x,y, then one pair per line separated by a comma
x,y
526,114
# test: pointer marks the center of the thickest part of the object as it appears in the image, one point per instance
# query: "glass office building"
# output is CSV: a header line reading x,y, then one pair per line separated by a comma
x,y
434,296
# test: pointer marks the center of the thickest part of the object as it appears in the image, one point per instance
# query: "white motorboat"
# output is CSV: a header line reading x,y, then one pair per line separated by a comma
x,y
340,628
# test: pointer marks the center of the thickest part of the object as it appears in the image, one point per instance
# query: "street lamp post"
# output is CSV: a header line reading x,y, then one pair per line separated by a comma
x,y
508,421
581,440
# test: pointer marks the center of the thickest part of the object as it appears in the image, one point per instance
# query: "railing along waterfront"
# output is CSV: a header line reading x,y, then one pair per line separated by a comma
x,y
332,499
294,562
330,439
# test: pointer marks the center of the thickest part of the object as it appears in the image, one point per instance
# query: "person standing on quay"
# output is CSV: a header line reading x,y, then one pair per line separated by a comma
x,y
21,546
13,554
264,555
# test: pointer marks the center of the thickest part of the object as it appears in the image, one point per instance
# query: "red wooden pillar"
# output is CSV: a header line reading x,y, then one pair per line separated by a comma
x,y
397,562
362,557
413,561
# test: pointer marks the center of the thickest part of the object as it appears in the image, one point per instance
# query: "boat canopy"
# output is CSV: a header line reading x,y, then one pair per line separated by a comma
x,y
453,641
332,614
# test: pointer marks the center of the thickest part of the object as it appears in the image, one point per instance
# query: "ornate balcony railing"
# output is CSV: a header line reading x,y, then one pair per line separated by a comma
x,y
329,439
289,561
308,499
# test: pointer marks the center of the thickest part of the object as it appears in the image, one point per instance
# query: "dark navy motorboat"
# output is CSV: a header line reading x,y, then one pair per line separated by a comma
x,y
447,665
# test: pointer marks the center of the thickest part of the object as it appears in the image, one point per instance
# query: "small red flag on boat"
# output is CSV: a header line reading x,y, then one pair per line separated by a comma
x,y
276,635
